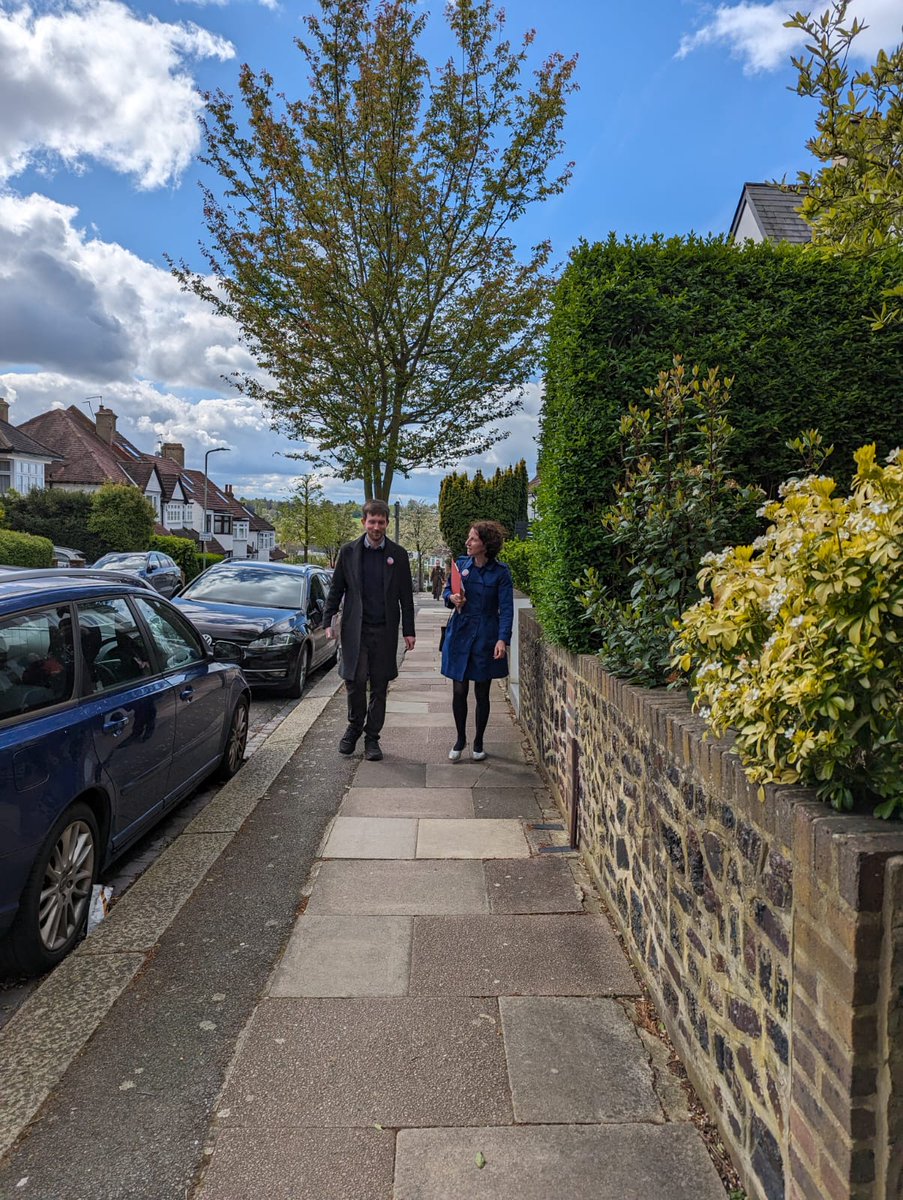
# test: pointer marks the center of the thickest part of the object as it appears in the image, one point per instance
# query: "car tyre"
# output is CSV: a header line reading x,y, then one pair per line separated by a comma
x,y
296,687
236,741
53,911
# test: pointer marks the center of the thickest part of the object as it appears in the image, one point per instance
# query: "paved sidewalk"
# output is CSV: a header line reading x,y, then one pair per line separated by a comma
x,y
448,1020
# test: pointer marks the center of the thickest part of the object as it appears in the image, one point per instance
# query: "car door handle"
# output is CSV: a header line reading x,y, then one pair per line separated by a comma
x,y
116,722
187,694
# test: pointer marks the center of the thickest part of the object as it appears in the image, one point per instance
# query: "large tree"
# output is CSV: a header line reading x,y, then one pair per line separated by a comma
x,y
360,239
855,199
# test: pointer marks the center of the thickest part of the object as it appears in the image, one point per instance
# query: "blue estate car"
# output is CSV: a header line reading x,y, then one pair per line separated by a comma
x,y
274,611
112,709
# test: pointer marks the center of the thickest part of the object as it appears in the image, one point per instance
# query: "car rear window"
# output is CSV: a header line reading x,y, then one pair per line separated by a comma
x,y
37,661
250,586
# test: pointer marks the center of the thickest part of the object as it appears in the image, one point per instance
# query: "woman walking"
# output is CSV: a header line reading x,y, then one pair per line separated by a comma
x,y
477,637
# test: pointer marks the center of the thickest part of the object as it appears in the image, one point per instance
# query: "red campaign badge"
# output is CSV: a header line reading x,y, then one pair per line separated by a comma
x,y
390,562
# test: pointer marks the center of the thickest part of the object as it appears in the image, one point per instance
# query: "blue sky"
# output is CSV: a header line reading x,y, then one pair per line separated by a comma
x,y
680,103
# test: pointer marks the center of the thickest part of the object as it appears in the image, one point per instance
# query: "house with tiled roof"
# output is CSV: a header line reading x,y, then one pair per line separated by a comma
x,y
24,461
92,453
86,454
769,212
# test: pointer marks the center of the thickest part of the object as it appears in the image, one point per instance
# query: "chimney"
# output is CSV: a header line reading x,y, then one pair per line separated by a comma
x,y
105,424
175,451
228,489
4,409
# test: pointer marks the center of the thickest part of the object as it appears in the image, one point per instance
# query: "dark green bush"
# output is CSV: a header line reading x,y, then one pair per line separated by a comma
x,y
183,550
518,554
59,515
24,550
789,323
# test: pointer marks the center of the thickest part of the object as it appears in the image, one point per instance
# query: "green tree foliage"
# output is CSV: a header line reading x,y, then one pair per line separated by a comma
x,y
24,550
463,500
331,525
360,241
183,550
58,515
420,533
783,322
676,502
121,517
855,200
294,522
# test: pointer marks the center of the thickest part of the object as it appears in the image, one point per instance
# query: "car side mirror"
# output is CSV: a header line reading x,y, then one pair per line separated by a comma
x,y
150,567
229,652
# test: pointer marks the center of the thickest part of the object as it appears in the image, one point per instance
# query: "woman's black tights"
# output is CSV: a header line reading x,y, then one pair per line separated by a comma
x,y
459,710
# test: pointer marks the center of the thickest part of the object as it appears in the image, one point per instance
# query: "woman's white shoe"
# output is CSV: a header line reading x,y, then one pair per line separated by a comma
x,y
478,755
454,755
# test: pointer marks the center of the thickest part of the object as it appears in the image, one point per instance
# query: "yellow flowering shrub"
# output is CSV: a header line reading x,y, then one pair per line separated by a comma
x,y
796,645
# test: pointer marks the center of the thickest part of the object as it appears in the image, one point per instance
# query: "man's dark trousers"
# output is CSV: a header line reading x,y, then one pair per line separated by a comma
x,y
362,716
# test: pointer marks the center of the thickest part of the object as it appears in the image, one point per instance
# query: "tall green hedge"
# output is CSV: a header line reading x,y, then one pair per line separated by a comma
x,y
788,322
463,500
57,514
23,550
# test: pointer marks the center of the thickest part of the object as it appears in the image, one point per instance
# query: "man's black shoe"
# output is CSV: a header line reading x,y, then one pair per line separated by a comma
x,y
372,752
348,742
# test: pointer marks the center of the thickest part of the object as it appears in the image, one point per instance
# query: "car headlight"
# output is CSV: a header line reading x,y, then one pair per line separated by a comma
x,y
270,641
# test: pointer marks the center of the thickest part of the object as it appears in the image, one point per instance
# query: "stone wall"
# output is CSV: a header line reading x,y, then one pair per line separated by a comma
x,y
770,932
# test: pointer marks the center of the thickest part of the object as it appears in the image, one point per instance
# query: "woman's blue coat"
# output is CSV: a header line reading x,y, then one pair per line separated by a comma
x,y
485,619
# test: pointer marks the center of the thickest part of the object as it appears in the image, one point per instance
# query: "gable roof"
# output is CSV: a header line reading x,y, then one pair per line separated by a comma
x,y
774,210
14,441
86,458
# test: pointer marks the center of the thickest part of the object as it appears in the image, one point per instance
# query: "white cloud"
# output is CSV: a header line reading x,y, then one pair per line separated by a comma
x,y
755,32
94,81
80,305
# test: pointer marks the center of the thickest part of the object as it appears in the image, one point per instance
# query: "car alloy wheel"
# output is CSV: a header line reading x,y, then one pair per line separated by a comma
x,y
66,886
296,687
236,741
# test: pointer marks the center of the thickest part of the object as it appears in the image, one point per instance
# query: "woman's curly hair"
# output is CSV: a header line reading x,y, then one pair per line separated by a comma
x,y
491,534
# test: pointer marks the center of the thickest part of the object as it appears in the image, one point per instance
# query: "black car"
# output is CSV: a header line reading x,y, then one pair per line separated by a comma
x,y
159,570
274,611
112,709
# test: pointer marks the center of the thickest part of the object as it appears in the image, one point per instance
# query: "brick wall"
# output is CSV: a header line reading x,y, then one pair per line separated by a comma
x,y
770,932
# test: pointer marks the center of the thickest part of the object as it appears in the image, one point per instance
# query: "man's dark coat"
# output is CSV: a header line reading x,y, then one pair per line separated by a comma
x,y
399,594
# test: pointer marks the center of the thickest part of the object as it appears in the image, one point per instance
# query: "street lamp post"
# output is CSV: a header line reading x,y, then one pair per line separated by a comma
x,y
215,450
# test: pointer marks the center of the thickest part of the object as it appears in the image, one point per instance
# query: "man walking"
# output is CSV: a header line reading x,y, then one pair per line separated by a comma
x,y
373,576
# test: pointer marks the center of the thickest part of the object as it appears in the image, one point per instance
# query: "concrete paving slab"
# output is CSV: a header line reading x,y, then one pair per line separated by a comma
x,y
411,888
518,956
623,1162
471,839
346,956
509,775
406,706
506,803
407,802
371,837
390,774
498,735
532,885
576,1060
463,773
390,1062
288,1164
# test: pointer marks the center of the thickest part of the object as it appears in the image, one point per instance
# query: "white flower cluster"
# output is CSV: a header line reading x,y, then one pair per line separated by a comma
x,y
777,598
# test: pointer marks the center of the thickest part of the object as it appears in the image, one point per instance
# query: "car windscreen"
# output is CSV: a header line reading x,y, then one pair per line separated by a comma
x,y
250,586
122,562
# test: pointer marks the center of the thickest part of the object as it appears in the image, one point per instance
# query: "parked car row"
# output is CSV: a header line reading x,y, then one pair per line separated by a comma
x,y
114,705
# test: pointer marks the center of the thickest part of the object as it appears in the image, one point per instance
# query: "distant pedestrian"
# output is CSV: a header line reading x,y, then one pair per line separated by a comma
x,y
373,577
437,580
476,639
